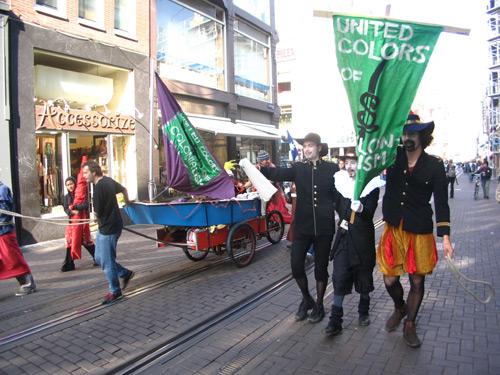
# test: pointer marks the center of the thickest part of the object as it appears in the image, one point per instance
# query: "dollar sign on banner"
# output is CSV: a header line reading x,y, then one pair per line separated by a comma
x,y
370,101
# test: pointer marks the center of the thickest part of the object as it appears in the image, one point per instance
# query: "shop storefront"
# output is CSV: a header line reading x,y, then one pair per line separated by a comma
x,y
63,137
71,97
80,112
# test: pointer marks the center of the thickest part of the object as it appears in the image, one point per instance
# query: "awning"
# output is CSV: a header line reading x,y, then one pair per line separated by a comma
x,y
224,126
266,128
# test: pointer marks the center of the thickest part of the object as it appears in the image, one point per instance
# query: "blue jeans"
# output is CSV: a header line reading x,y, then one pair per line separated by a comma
x,y
105,256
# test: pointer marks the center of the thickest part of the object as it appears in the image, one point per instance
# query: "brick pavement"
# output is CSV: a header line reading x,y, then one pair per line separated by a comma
x,y
460,336
100,340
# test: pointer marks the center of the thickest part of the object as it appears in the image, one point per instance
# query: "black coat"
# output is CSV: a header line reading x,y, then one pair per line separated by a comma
x,y
407,195
359,239
68,201
314,214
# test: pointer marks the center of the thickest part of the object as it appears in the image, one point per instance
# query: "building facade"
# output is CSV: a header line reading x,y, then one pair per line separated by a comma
x,y
492,105
218,59
311,93
79,84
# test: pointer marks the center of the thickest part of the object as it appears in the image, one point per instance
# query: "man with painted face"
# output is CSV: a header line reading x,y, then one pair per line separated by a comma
x,y
315,221
407,244
353,250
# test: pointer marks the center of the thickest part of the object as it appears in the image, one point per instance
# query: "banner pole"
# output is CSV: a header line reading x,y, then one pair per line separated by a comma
x,y
151,181
447,29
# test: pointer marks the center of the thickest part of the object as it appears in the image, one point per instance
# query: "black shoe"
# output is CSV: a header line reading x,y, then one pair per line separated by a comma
x,y
68,266
334,327
317,314
364,320
127,279
304,306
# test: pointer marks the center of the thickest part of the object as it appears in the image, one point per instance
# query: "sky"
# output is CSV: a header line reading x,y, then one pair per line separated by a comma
x,y
454,83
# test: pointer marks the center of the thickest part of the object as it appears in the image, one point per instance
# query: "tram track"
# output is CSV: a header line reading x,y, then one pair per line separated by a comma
x,y
172,347
168,349
77,314
176,278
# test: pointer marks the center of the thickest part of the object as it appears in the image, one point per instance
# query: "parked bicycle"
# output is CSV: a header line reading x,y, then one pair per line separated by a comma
x,y
477,185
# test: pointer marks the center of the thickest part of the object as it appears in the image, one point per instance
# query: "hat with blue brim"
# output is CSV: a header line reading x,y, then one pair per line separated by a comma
x,y
413,124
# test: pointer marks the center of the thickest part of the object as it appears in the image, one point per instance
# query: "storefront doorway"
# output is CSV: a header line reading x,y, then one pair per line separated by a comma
x,y
59,156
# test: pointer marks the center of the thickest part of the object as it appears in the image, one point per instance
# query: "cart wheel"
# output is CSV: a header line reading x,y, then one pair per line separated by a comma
x,y
275,226
241,243
195,255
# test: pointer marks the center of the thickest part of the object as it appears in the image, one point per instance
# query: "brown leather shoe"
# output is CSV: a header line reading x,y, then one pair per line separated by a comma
x,y
396,317
410,334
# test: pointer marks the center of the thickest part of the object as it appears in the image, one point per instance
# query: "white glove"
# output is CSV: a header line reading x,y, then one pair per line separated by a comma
x,y
356,206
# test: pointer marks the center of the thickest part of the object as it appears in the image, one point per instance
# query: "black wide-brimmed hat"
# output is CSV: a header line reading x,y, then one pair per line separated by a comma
x,y
312,137
413,124
316,139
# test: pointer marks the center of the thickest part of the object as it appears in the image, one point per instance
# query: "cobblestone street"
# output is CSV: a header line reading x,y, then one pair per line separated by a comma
x,y
460,335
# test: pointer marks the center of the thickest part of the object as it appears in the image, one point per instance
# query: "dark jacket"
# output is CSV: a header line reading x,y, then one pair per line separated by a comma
x,y
359,239
315,185
407,195
485,173
68,201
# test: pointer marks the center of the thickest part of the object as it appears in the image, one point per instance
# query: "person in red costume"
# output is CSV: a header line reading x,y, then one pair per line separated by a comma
x,y
76,207
12,262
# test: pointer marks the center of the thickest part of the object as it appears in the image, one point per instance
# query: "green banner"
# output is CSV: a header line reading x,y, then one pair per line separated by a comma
x,y
200,164
381,63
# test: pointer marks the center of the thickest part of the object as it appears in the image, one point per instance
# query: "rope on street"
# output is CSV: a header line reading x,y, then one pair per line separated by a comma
x,y
489,292
56,221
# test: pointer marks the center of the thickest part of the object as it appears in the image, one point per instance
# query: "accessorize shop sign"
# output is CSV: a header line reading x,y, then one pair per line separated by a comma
x,y
49,117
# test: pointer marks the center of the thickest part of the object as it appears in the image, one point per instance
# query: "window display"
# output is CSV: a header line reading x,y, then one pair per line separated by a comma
x,y
49,171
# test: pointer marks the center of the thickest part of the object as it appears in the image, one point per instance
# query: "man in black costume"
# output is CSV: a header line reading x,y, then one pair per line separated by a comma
x,y
353,250
315,221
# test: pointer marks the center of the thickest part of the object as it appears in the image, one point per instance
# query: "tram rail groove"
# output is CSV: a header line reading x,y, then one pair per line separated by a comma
x,y
143,361
16,336
66,318
168,350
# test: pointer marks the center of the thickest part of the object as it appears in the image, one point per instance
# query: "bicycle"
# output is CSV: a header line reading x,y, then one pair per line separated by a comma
x,y
477,184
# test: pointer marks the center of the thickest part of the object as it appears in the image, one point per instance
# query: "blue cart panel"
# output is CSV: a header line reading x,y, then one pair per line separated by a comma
x,y
193,214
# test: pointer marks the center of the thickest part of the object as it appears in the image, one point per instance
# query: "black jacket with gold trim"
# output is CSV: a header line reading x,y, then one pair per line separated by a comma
x,y
407,195
314,214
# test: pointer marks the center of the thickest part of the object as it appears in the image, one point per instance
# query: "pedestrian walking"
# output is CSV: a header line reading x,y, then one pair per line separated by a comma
x,y
485,172
110,226
353,250
407,244
451,174
74,210
315,221
12,262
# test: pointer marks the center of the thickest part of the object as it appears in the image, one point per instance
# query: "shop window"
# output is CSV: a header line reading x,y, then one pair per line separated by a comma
x,y
284,86
286,115
258,8
252,66
53,7
125,16
91,13
124,167
190,42
49,168
249,148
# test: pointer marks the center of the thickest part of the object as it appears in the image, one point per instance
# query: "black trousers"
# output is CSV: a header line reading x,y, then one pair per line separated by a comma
x,y
451,182
302,243
345,275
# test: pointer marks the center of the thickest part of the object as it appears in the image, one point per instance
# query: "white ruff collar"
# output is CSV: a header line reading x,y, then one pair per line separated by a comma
x,y
345,184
